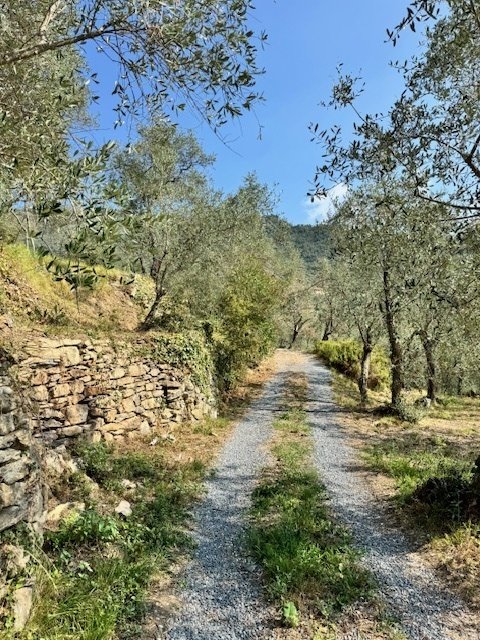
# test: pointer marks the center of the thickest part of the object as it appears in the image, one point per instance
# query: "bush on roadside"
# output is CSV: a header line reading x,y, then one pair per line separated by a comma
x,y
345,356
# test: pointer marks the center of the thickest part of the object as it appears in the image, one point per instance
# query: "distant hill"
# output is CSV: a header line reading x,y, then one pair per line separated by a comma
x,y
311,240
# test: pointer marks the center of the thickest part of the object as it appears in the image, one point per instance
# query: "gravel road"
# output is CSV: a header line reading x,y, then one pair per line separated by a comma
x,y
223,599
222,596
425,610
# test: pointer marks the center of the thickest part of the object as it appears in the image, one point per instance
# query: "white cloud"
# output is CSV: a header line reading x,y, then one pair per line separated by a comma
x,y
321,208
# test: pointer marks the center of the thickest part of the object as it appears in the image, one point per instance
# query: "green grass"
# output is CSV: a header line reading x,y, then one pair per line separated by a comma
x,y
94,571
412,460
308,560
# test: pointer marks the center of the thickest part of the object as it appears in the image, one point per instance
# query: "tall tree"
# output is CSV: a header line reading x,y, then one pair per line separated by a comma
x,y
199,53
431,134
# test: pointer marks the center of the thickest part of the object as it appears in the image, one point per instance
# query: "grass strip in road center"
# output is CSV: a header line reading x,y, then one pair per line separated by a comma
x,y
310,567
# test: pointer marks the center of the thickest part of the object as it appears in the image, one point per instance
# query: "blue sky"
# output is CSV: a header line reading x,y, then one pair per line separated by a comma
x,y
307,39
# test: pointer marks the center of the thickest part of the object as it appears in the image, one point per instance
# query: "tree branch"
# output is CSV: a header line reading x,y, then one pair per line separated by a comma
x,y
30,52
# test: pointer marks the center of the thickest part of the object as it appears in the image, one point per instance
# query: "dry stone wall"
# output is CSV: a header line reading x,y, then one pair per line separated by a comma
x,y
106,391
57,391
21,492
64,389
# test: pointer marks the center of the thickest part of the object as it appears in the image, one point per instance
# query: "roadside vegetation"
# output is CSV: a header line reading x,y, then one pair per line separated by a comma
x,y
99,573
432,473
312,571
96,566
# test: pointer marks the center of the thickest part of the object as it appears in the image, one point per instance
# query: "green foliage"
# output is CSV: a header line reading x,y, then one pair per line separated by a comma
x,y
290,614
98,568
413,460
345,355
307,558
247,328
107,469
86,528
187,351
407,412
96,460
312,241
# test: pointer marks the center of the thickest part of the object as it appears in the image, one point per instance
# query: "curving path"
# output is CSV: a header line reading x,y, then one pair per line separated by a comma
x,y
222,598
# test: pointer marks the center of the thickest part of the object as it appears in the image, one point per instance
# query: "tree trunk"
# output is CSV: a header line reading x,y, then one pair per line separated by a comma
x,y
150,317
297,327
428,347
460,385
396,351
365,368
296,331
328,330
158,274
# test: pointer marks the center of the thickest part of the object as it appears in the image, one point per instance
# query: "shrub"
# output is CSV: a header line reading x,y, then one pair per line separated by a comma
x,y
187,351
96,460
412,413
345,356
246,327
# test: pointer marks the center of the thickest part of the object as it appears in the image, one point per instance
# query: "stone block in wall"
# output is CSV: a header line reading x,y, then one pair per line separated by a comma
x,y
77,386
128,405
94,390
39,377
11,516
76,413
15,471
129,424
10,494
9,455
39,393
126,381
52,423
6,423
71,431
78,372
137,370
150,403
47,413
7,399
110,415
63,352
61,390
18,439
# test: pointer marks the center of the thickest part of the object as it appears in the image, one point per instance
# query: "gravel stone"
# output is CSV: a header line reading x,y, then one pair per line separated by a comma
x,y
425,609
222,599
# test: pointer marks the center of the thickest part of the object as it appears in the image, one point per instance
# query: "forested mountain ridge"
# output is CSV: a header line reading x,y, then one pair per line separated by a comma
x,y
311,240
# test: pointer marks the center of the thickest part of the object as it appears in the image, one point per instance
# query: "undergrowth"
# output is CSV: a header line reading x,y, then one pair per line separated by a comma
x,y
94,570
345,356
430,475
